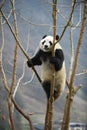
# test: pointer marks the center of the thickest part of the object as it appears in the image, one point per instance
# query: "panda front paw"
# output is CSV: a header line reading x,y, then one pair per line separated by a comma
x,y
53,60
29,63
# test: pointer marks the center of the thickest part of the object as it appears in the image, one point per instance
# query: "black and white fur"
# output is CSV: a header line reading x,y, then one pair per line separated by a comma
x,y
49,64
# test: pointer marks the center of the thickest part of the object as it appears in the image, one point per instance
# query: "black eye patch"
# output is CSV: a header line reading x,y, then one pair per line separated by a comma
x,y
50,43
43,42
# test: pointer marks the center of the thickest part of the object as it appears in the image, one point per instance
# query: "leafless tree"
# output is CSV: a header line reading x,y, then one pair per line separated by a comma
x,y
10,99
72,72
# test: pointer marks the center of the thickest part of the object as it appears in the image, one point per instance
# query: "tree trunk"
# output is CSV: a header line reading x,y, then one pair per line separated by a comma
x,y
50,102
67,112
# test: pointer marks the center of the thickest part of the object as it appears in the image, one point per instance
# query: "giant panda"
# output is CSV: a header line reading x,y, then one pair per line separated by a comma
x,y
50,64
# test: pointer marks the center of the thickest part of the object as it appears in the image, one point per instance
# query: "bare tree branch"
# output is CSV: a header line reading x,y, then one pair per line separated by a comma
x,y
79,44
22,113
2,3
5,80
7,16
75,26
72,54
19,44
77,88
19,80
68,23
16,48
10,104
1,50
82,73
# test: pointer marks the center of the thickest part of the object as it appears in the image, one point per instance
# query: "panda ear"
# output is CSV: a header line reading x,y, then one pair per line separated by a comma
x,y
57,37
44,36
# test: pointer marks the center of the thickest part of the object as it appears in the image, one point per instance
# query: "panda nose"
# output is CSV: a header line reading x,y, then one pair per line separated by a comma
x,y
45,46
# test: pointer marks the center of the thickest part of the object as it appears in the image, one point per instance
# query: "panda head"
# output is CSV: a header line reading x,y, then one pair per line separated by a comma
x,y
46,43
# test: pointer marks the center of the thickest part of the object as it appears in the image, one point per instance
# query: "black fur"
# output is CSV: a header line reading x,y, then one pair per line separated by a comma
x,y
57,37
35,60
58,59
44,36
46,86
39,57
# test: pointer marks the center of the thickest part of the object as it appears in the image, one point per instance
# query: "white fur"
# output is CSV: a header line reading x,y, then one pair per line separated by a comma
x,y
47,39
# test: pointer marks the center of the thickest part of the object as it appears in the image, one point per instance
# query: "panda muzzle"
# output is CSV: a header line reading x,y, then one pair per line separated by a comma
x,y
45,46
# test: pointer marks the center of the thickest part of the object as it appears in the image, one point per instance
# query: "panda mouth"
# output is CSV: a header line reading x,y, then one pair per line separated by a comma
x,y
46,47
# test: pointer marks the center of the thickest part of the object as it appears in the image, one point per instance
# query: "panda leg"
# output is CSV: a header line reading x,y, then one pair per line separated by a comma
x,y
46,86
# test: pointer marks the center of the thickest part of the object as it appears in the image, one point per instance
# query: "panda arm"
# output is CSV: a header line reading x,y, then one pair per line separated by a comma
x,y
35,60
58,59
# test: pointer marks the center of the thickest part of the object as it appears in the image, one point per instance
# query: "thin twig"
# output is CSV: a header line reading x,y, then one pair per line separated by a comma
x,y
19,80
68,23
72,49
30,22
7,16
77,88
82,73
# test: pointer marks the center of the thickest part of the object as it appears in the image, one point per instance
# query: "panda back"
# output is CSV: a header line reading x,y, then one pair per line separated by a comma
x,y
57,46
